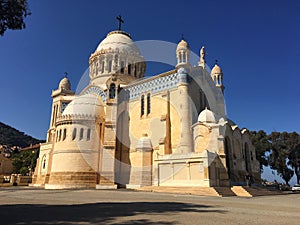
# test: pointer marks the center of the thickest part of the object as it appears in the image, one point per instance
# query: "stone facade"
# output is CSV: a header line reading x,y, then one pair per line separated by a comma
x,y
128,131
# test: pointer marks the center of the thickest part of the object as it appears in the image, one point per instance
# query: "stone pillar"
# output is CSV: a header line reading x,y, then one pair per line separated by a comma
x,y
107,157
141,173
186,144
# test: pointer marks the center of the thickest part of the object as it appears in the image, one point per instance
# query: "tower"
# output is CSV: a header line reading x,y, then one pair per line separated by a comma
x,y
60,99
183,54
217,76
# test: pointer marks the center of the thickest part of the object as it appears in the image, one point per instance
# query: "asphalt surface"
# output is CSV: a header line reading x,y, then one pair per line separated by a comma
x,y
38,206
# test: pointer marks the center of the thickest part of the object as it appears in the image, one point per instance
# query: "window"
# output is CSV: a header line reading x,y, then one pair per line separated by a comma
x,y
183,57
109,65
81,134
102,67
116,60
59,136
129,69
148,103
122,67
142,105
74,134
135,70
251,155
88,135
64,134
44,162
112,91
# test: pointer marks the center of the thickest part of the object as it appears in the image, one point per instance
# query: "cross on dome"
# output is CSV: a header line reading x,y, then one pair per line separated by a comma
x,y
119,18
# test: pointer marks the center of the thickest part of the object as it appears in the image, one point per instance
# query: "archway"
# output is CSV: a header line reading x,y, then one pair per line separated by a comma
x,y
228,150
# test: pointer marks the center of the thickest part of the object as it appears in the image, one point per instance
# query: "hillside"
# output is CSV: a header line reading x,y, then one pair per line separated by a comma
x,y
13,137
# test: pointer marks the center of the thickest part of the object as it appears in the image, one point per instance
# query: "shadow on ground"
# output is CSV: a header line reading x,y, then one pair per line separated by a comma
x,y
98,213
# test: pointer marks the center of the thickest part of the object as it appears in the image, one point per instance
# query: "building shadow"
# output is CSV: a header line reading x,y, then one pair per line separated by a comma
x,y
96,213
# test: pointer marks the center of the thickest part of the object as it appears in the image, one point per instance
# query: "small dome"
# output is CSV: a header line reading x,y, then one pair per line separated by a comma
x,y
182,45
88,104
118,40
216,69
207,116
65,84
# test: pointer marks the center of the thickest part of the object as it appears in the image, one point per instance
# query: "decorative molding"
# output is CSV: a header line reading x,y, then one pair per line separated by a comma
x,y
97,91
153,86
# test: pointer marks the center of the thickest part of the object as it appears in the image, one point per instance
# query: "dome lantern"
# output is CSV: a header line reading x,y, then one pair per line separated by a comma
x,y
65,84
217,76
182,53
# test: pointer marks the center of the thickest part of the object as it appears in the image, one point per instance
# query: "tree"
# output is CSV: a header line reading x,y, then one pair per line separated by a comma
x,y
293,144
262,145
13,14
279,155
24,161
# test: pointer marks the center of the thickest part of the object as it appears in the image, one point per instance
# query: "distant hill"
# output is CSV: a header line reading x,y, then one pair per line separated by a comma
x,y
13,137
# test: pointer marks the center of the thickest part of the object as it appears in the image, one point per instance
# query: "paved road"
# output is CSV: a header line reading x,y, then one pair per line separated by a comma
x,y
37,206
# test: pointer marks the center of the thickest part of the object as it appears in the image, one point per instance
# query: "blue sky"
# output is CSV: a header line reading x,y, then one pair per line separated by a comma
x,y
257,44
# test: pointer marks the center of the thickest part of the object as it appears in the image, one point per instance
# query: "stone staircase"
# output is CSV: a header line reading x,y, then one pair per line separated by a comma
x,y
204,191
244,191
213,191
224,191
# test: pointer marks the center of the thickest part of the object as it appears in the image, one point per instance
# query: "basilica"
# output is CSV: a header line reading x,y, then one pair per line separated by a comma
x,y
130,131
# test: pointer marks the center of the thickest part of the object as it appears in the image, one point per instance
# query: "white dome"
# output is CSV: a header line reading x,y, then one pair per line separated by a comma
x,y
65,84
216,69
207,116
88,104
118,40
182,45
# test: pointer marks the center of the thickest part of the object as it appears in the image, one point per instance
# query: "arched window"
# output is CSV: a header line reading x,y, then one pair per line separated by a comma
x,y
148,103
109,65
81,134
246,150
135,70
74,134
64,134
59,136
142,105
112,91
88,134
116,60
183,57
129,69
44,162
122,67
102,67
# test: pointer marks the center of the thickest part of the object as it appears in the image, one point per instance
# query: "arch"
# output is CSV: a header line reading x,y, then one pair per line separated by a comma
x,y
246,153
228,150
59,135
81,134
142,105
64,134
74,133
43,163
88,134
112,91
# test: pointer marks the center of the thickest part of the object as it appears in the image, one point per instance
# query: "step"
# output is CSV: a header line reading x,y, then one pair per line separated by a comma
x,y
205,191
